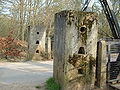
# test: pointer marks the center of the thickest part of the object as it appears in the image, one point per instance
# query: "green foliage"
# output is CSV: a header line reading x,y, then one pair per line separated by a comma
x,y
37,87
52,85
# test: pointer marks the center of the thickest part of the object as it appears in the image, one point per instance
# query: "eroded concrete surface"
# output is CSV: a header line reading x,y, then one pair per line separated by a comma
x,y
24,75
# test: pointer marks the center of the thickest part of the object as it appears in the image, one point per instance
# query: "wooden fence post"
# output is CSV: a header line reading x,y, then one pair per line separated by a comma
x,y
100,64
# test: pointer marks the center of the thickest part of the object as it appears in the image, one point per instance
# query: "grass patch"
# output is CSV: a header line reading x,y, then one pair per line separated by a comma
x,y
37,87
52,85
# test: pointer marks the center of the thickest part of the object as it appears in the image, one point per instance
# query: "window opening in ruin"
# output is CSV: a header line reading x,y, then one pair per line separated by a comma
x,y
37,51
81,50
83,29
37,42
37,32
28,28
80,71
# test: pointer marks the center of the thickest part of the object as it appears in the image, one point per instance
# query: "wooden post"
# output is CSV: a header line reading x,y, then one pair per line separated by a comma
x,y
100,63
28,40
108,65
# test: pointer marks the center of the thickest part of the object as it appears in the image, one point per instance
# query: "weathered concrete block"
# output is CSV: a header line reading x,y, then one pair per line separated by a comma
x,y
75,35
37,43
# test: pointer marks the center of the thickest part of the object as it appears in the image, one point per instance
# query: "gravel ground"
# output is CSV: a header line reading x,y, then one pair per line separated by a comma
x,y
24,75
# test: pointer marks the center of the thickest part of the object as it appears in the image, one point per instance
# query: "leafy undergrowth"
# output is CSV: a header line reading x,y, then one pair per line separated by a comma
x,y
52,85
11,49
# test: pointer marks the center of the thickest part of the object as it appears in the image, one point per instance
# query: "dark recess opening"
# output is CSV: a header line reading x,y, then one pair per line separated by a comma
x,y
28,28
81,50
80,71
83,29
37,32
69,22
37,51
37,42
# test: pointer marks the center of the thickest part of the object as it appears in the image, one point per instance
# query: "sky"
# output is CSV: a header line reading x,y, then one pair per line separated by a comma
x,y
5,8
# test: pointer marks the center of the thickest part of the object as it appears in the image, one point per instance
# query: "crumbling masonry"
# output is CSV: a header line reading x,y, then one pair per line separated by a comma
x,y
75,45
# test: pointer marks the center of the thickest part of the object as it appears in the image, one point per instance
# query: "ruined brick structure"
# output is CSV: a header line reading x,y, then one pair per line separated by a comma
x,y
75,42
37,43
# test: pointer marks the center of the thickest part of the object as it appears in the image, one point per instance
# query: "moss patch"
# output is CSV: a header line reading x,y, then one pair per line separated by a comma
x,y
52,85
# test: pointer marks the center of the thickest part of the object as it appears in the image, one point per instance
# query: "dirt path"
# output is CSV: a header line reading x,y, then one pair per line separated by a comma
x,y
24,76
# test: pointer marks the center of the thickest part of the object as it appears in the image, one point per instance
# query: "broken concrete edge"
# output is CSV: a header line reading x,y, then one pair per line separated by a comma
x,y
75,14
